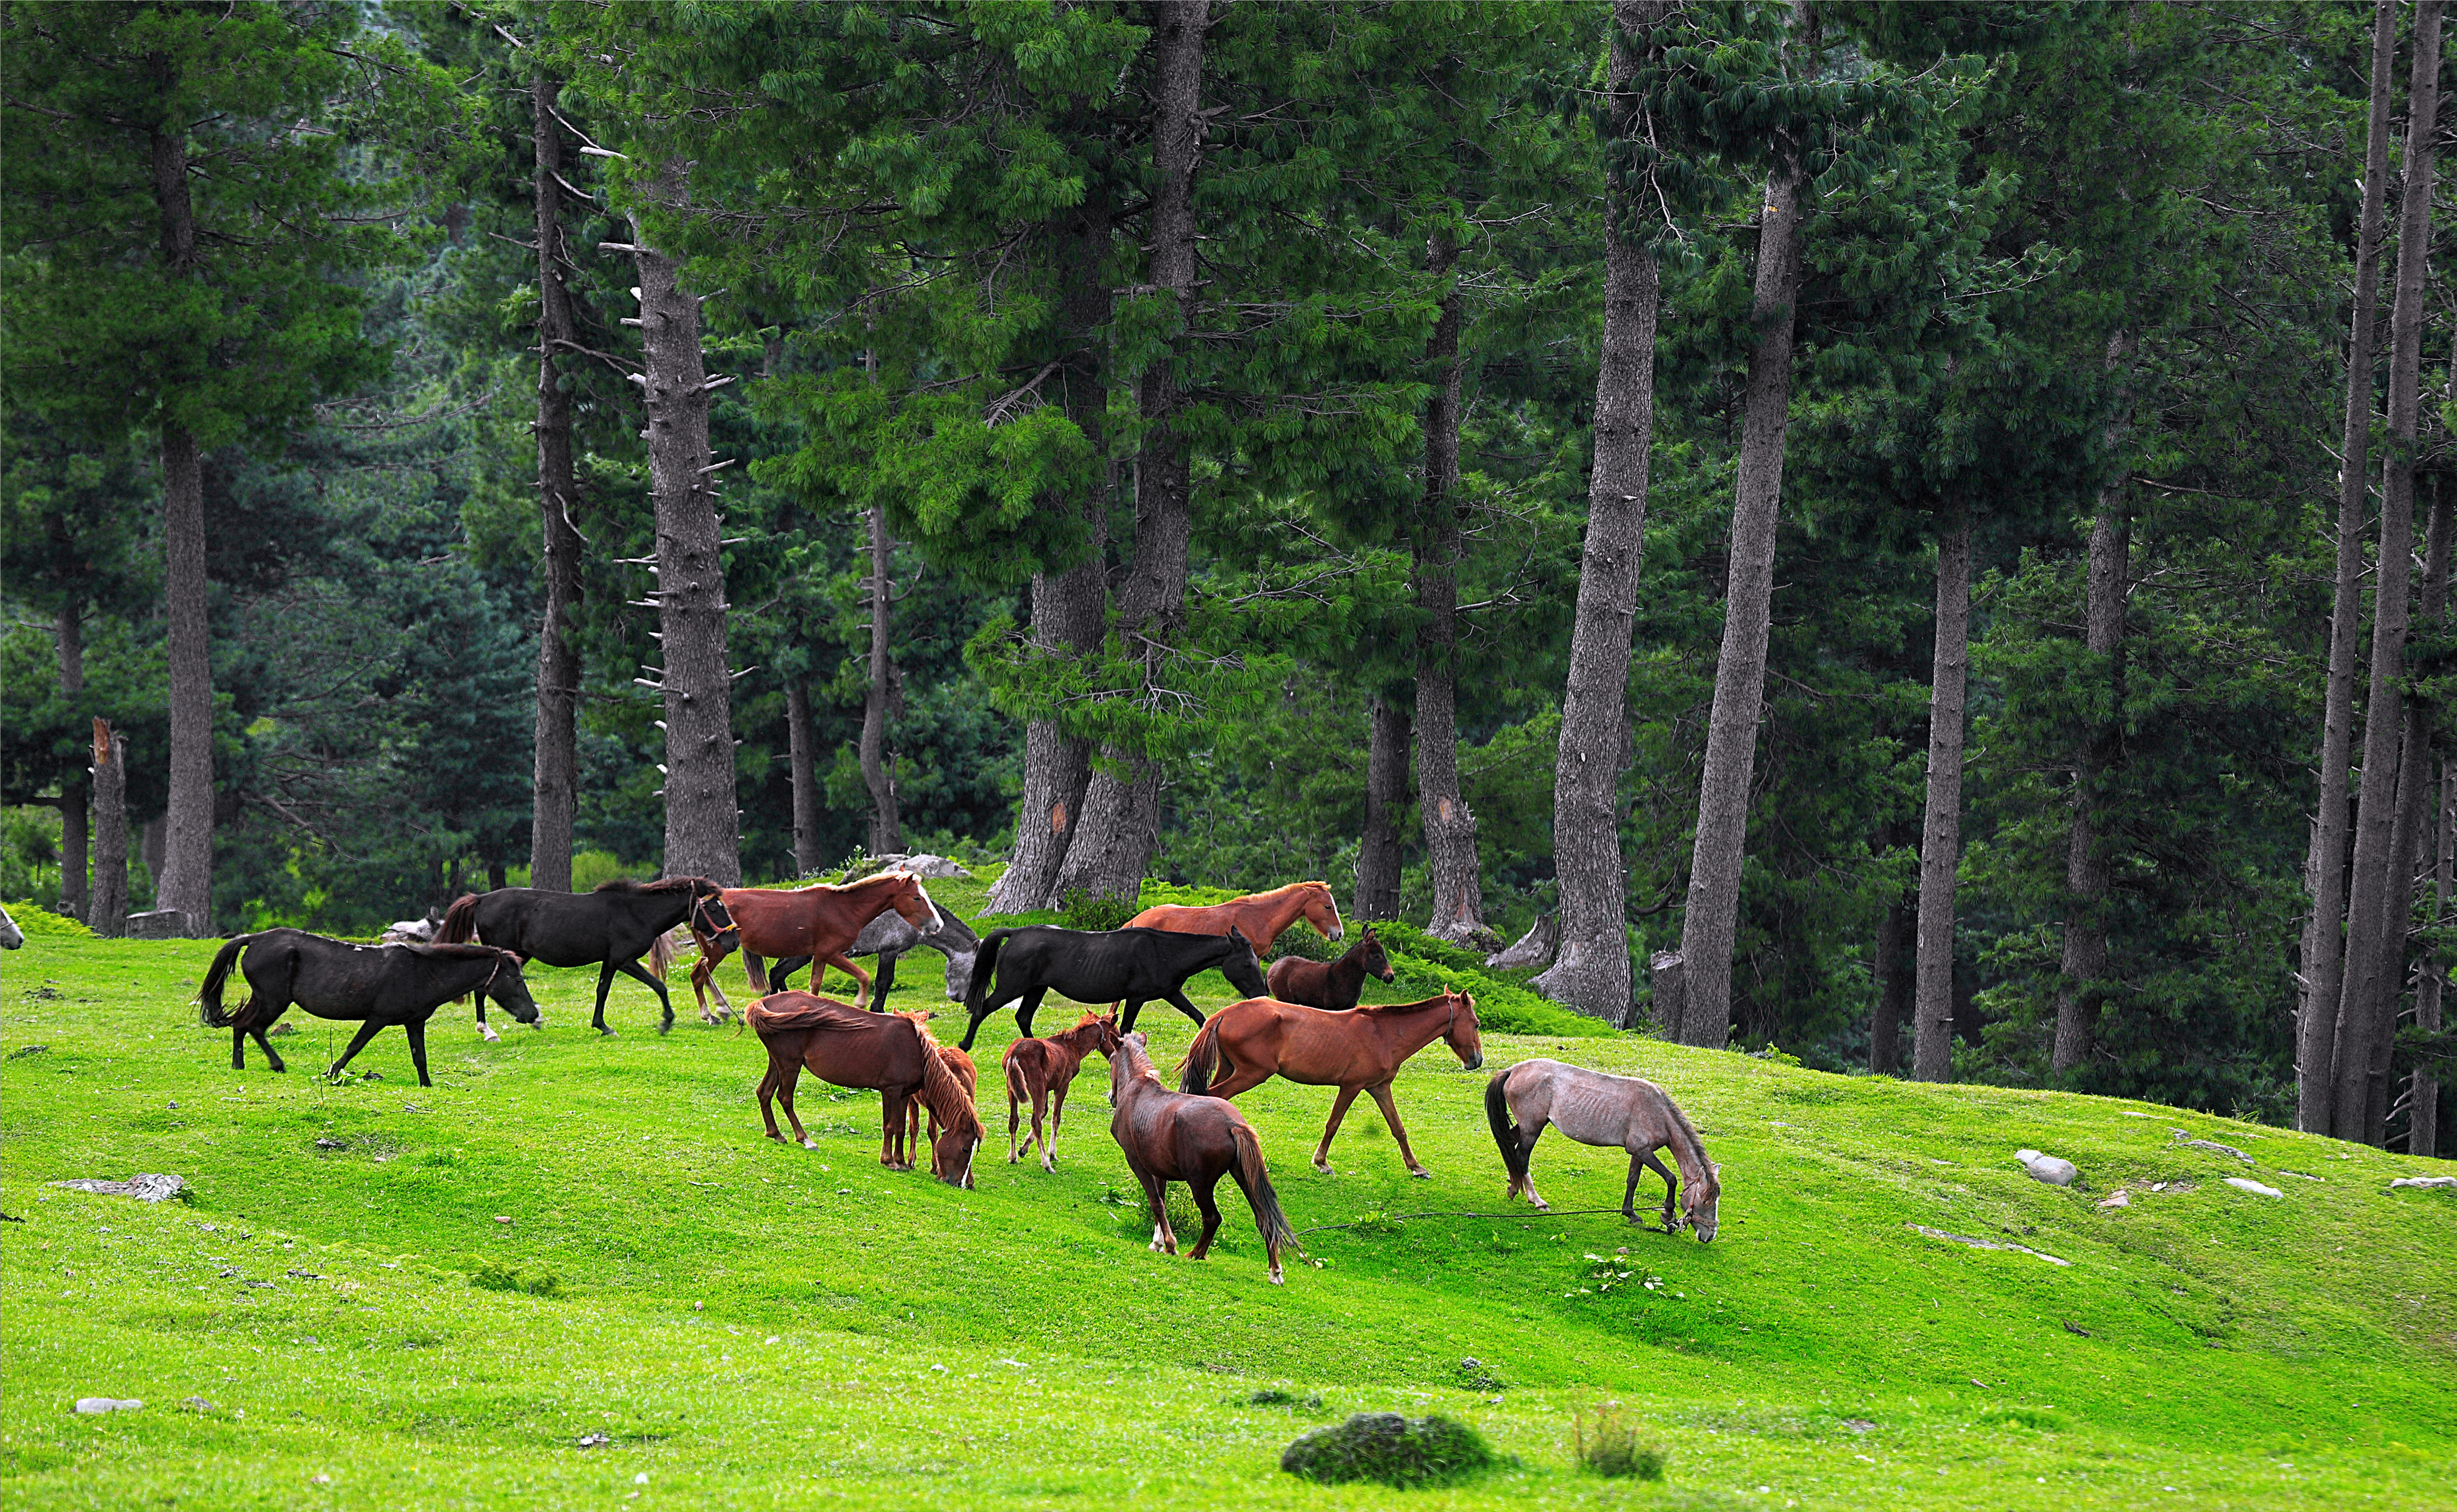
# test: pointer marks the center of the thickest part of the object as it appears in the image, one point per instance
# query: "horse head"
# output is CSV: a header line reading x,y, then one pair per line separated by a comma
x,y
1462,1034
508,987
709,922
912,903
1322,912
1244,972
1368,951
1128,1062
951,1157
1698,1201
1108,1040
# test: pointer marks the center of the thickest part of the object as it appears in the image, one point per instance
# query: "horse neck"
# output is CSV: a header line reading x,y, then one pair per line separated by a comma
x,y
1415,1025
654,904
1688,1153
873,896
1281,910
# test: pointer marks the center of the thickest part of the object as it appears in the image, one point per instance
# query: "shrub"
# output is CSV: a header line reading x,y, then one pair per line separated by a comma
x,y
1610,1445
1085,911
37,923
1424,965
1386,1447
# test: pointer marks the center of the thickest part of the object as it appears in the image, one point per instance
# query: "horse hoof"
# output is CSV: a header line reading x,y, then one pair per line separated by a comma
x,y
1278,1279
810,1144
1421,1175
605,1032
1325,1169
667,1028
486,1032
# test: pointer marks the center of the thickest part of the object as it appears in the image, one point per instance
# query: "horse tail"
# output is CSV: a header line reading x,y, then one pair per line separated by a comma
x,y
1505,1129
661,952
1255,1182
984,967
459,923
1202,1062
208,996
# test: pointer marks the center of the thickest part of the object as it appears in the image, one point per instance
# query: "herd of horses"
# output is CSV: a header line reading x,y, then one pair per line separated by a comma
x,y
1302,1021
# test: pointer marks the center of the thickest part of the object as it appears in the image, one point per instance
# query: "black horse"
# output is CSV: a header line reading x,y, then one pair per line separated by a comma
x,y
889,938
1132,966
334,979
616,923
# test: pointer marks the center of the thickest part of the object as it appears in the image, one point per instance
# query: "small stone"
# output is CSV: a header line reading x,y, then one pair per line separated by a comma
x,y
641,1478
319,1477
2423,1181
502,1218
2247,1184
2121,1200
144,1186
92,1405
196,1404
594,1441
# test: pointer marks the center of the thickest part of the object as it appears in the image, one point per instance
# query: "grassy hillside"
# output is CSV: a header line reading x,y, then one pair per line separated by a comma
x,y
751,1325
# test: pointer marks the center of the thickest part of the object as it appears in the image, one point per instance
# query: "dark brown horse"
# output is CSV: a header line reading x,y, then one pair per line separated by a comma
x,y
1259,917
1337,985
814,924
1039,1073
889,1052
610,927
1245,1044
1169,1136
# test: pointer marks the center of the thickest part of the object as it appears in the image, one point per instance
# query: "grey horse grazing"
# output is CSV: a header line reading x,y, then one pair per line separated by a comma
x,y
10,937
1594,1109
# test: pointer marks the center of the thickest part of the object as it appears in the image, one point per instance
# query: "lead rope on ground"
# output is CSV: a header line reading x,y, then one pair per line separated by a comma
x,y
1548,1212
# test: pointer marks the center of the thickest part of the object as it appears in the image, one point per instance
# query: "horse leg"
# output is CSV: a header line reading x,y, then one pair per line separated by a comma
x,y
1338,1112
785,968
1126,1014
358,1042
1024,1010
640,973
605,985
415,1030
238,1048
792,1080
1391,1115
1156,1192
886,975
485,1030
1671,1187
767,1092
1177,996
861,992
1201,1188
1527,1137
1057,1112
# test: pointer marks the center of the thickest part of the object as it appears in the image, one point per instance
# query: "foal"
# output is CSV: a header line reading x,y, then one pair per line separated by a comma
x,y
958,1065
1293,979
1039,1073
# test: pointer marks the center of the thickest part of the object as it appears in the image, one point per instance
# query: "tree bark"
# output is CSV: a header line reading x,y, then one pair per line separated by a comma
x,y
2323,944
2414,777
1121,819
73,800
1449,827
107,915
1894,937
1385,794
557,798
2087,868
1712,921
2422,1105
886,833
1941,829
2370,951
1592,973
703,824
801,762
186,881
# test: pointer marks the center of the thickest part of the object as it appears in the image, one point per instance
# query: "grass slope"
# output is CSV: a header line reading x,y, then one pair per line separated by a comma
x,y
753,1325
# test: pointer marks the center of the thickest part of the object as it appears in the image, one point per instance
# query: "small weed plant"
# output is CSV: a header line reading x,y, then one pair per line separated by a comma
x,y
1608,1444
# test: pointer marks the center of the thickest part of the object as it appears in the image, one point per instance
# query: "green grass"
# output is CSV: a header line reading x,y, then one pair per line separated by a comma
x,y
753,1325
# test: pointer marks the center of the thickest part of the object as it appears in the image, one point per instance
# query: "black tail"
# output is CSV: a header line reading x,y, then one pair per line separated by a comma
x,y
984,967
1505,1132
1202,1062
208,996
460,922
1255,1183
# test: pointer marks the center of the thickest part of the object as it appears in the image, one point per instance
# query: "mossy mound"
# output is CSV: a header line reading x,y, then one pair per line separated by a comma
x,y
1386,1447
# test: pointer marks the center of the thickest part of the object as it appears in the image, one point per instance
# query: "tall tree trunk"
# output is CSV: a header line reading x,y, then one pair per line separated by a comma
x,y
186,880
73,791
1894,982
2323,945
1449,828
2414,776
109,911
1385,794
2422,1105
1712,921
1591,974
703,824
557,798
2370,951
2087,868
801,762
886,833
1121,819
1941,829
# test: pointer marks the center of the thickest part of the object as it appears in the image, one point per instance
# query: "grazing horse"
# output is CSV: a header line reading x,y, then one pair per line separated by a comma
x,y
1593,1108
1132,966
11,938
888,937
334,979
958,1065
819,923
610,927
1259,916
1338,985
891,1052
1245,1044
1167,1136
1039,1073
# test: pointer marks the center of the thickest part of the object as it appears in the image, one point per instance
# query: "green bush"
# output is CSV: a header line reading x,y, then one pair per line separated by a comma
x,y
37,922
1386,1447
1423,965
1610,1445
1085,911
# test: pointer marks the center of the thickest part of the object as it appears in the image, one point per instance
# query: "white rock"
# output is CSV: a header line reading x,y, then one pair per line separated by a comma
x,y
2247,1184
2423,1181
101,1404
2123,1200
2054,1170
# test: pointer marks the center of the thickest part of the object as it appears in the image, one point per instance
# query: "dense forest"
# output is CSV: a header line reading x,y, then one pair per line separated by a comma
x,y
1911,537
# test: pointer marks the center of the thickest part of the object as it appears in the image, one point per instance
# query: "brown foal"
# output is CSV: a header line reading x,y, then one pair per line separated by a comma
x,y
1039,1073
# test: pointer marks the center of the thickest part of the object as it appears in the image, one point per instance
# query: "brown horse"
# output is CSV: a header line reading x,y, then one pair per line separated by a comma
x,y
1245,1044
1594,1109
1039,1073
848,1046
1259,916
1167,1136
817,924
1337,985
958,1065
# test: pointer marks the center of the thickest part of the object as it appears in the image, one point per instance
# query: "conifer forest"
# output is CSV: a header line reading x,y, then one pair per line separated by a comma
x,y
1914,538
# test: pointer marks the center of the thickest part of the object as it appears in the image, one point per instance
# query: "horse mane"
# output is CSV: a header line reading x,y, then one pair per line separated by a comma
x,y
1409,1007
1696,1148
1286,888
654,885
940,1088
455,950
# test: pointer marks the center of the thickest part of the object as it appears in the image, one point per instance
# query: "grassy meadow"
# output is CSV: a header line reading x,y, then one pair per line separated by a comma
x,y
574,1273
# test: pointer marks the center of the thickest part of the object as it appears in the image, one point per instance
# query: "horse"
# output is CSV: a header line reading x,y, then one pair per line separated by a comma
x,y
888,937
849,1046
1169,1136
1039,1073
958,1065
1131,966
334,979
1293,979
612,927
1594,1109
819,923
1260,915
1245,1044
10,936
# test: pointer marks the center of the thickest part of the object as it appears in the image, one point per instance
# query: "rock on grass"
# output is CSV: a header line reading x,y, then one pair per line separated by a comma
x,y
1386,1447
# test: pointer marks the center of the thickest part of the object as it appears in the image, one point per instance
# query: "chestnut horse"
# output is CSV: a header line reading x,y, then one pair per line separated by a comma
x,y
1039,1073
958,1065
1593,1108
1245,1044
891,1052
1167,1136
1337,985
818,923
1259,916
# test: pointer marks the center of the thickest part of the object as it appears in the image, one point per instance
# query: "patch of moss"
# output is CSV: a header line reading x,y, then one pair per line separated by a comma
x,y
1386,1447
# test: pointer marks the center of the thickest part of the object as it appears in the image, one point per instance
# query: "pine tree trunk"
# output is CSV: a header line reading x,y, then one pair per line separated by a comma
x,y
2371,954
108,914
1449,827
2414,777
1591,974
557,798
1941,829
1121,820
886,832
1712,921
801,762
2087,868
2323,945
1385,794
2423,1106
73,798
703,824
1893,988
186,880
